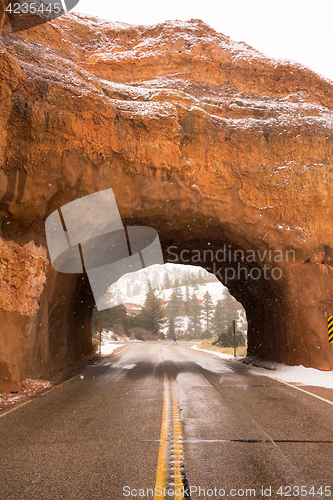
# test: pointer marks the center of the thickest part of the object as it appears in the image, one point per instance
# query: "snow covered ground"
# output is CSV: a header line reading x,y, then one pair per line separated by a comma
x,y
298,375
219,354
109,348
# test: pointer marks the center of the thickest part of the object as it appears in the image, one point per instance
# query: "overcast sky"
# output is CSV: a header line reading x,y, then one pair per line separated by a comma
x,y
300,30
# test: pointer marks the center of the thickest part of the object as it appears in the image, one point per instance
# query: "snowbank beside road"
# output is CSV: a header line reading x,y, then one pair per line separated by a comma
x,y
219,354
109,348
298,375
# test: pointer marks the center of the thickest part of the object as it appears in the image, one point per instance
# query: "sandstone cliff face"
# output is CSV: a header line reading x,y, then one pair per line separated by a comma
x,y
202,138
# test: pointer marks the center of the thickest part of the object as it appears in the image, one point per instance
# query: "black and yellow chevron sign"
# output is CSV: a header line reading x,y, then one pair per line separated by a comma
x,y
330,329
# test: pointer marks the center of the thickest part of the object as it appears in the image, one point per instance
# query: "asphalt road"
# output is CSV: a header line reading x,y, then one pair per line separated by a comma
x,y
161,418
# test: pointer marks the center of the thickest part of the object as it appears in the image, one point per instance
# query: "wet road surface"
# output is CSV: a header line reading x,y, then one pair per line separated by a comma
x,y
164,421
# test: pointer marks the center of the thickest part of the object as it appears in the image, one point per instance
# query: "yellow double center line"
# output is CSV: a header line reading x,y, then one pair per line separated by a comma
x,y
163,469
178,450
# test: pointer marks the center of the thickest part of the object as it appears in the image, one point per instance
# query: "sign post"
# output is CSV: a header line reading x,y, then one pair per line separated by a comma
x,y
100,324
234,334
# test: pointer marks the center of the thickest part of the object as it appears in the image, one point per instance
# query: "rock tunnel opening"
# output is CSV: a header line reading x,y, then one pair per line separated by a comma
x,y
251,277
54,328
187,314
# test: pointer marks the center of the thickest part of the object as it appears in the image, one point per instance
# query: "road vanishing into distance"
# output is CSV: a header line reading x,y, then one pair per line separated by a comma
x,y
158,421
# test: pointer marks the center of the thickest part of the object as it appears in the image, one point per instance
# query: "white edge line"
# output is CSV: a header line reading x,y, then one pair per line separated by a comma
x,y
16,407
122,350
78,374
276,379
299,389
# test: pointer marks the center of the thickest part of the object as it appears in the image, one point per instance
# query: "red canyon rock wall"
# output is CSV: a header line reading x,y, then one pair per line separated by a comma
x,y
206,140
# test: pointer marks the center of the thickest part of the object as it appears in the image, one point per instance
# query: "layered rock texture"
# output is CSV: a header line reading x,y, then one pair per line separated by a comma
x,y
207,140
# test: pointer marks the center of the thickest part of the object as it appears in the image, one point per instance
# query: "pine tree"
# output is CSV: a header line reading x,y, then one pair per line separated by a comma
x,y
225,313
201,277
226,339
166,282
173,310
218,321
152,314
187,300
154,279
196,284
176,283
194,326
230,310
208,307
183,280
111,317
240,340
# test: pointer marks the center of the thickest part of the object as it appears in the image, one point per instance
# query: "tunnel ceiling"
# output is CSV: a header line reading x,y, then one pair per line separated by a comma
x,y
206,140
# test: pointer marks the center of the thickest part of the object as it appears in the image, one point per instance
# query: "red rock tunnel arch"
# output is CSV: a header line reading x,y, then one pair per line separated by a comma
x,y
201,138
